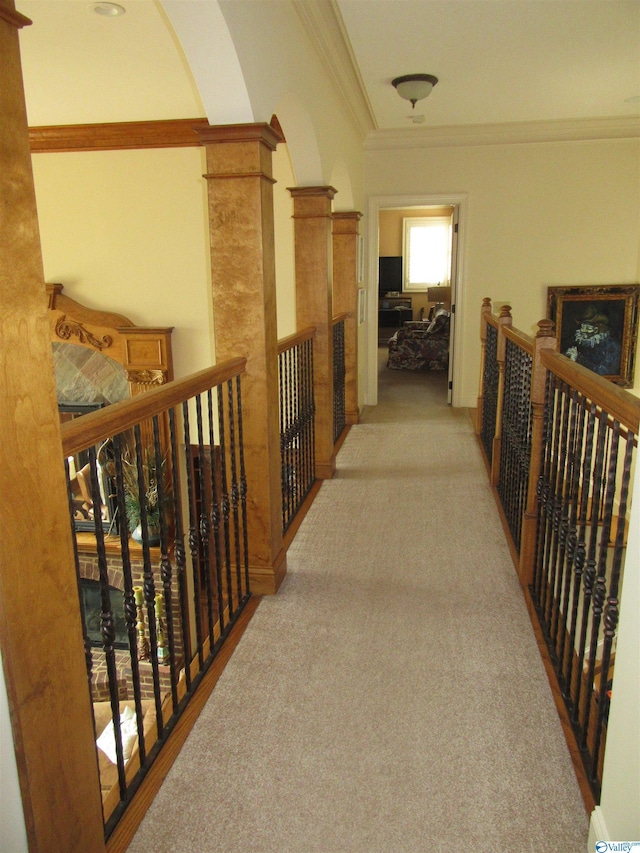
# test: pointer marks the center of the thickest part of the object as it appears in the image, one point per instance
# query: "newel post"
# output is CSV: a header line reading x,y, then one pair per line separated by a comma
x,y
312,220
40,628
504,319
484,311
545,339
345,301
241,228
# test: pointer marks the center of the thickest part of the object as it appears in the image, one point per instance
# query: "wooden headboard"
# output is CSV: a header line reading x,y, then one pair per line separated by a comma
x,y
143,352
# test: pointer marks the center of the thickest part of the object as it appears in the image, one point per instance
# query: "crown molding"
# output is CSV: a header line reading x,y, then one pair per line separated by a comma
x,y
324,26
627,127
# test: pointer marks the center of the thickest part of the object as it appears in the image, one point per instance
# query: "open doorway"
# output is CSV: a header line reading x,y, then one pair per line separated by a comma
x,y
410,303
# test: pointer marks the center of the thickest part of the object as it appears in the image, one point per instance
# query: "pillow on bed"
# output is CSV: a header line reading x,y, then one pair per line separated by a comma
x,y
129,733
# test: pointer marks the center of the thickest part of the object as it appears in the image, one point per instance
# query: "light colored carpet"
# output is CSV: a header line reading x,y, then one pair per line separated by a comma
x,y
390,698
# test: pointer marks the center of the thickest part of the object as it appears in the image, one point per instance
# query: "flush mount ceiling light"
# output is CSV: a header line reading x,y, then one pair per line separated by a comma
x,y
108,10
414,87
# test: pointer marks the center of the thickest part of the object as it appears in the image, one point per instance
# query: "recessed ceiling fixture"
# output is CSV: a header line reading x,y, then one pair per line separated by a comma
x,y
414,87
108,10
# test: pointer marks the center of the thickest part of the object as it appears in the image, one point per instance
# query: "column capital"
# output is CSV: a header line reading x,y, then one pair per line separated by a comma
x,y
346,222
310,192
230,133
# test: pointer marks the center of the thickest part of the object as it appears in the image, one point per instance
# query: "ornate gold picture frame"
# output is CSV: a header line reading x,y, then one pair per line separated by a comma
x,y
597,326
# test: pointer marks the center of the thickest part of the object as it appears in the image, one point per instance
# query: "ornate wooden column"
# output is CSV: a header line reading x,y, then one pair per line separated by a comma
x,y
240,186
314,273
40,631
345,300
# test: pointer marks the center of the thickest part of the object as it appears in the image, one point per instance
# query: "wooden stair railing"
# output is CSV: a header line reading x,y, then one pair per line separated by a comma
x,y
559,442
180,594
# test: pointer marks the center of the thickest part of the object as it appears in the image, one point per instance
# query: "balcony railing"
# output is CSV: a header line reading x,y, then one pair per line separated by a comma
x,y
297,421
167,587
339,377
560,458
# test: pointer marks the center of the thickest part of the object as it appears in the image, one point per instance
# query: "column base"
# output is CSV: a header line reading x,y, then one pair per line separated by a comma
x,y
326,470
266,580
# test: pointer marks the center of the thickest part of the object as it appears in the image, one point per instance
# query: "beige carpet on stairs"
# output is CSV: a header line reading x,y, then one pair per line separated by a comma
x,y
391,697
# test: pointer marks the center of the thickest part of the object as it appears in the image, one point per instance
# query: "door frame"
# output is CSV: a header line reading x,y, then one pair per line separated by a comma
x,y
376,204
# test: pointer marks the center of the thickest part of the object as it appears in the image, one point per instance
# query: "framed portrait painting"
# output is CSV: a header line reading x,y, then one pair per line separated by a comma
x,y
597,326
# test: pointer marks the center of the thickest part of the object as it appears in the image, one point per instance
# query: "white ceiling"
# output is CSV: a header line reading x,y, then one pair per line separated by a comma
x,y
498,61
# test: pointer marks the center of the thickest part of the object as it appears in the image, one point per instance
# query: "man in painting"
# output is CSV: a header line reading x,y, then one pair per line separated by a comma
x,y
592,344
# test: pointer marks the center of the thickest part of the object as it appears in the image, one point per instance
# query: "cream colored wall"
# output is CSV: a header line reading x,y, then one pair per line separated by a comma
x,y
284,240
126,231
537,215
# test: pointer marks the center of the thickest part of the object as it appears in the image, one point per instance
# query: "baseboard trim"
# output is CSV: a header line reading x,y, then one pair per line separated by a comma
x,y
597,829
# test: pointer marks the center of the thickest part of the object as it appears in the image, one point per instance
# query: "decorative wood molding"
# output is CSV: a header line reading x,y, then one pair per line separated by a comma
x,y
144,352
222,133
15,19
174,133
64,329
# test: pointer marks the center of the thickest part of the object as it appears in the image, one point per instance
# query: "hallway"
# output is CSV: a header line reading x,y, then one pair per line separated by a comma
x,y
390,698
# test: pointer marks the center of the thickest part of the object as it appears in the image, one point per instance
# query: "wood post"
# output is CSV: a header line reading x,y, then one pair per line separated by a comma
x,y
486,309
345,301
314,272
40,630
240,191
545,339
504,319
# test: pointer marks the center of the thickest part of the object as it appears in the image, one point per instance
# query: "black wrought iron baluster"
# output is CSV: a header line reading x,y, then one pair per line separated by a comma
x,y
88,656
243,487
107,622
148,583
235,490
580,555
283,445
215,513
194,539
224,496
490,392
552,507
600,585
203,520
310,405
130,606
611,612
180,552
589,576
542,494
576,431
166,652
559,521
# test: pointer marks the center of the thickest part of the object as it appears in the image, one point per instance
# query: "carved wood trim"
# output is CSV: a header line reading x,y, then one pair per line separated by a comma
x,y
143,351
15,19
173,133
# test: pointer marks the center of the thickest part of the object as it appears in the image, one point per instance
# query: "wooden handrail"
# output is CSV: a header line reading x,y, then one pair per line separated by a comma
x,y
103,423
339,318
520,339
617,402
295,339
